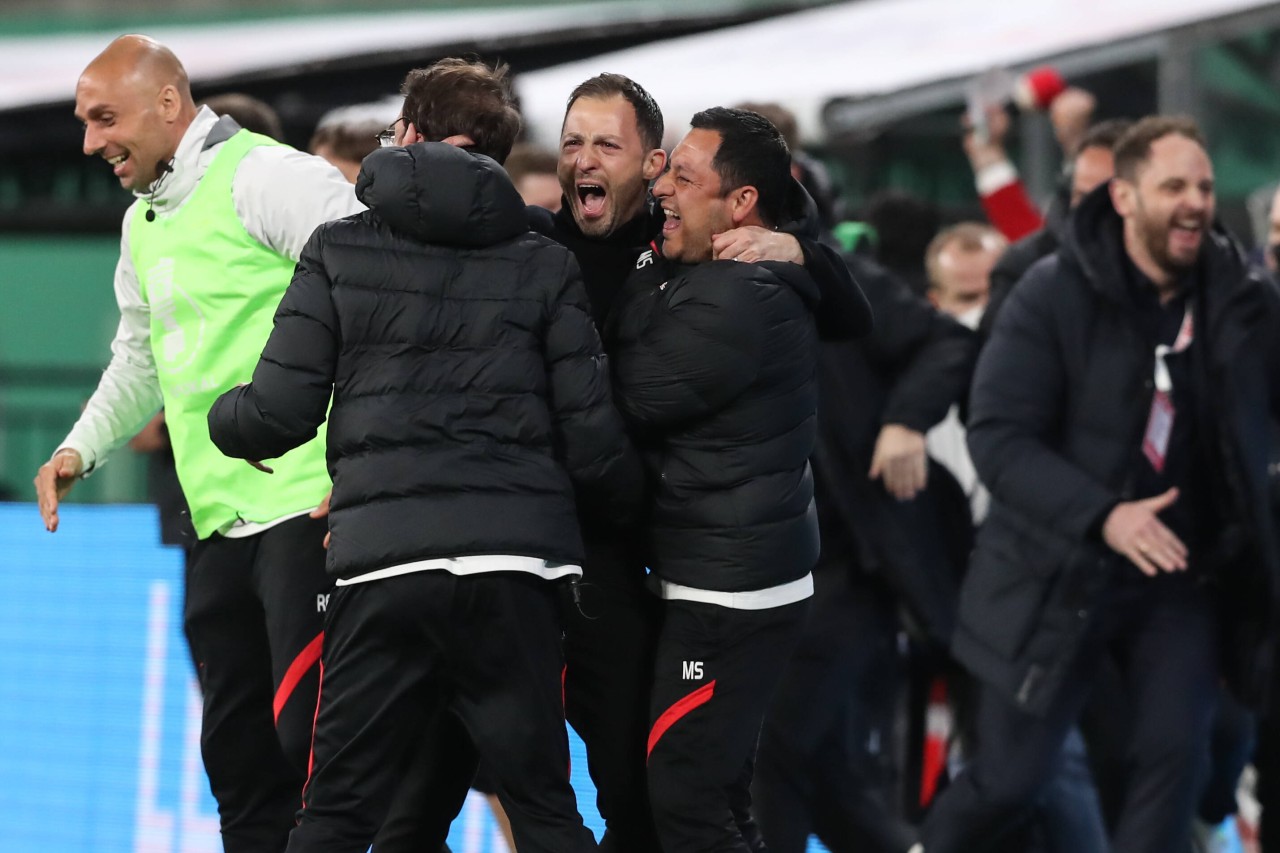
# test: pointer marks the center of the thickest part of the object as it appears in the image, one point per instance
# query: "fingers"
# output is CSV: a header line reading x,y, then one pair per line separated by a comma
x,y
1161,502
905,476
327,536
1160,547
263,468
47,496
322,510
730,245
1141,560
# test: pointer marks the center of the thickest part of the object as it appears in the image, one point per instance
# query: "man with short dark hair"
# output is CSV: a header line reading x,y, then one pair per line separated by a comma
x,y
470,396
1120,416
458,98
715,369
609,153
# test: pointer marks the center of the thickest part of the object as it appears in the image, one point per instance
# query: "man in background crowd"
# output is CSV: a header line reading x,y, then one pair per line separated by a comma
x,y
1120,416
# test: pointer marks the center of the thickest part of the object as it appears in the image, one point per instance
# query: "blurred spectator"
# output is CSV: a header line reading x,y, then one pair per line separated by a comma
x,y
1003,195
958,262
533,171
249,112
345,136
1092,166
1107,540
1271,253
903,224
883,546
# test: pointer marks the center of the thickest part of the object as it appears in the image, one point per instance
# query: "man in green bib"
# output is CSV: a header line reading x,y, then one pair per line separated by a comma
x,y
207,251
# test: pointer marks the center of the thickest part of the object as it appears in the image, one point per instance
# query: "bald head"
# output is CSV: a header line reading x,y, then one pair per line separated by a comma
x,y
135,102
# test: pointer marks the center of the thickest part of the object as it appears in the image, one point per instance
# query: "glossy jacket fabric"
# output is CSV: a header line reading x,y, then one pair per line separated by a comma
x,y
715,368
470,391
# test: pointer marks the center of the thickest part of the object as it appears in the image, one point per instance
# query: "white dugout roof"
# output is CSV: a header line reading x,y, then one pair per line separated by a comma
x,y
37,69
861,61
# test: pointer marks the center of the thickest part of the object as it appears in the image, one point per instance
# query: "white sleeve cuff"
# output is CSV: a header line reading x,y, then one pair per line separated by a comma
x,y
991,179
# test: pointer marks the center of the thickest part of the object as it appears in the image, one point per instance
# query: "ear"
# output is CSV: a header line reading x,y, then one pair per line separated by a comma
x,y
459,140
932,295
169,103
742,206
1122,196
411,134
654,162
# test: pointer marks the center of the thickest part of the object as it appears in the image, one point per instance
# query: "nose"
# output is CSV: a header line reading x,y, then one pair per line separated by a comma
x,y
664,186
587,160
92,141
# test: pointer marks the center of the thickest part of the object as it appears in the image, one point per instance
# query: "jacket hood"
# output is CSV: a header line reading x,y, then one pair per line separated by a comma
x,y
1093,243
439,193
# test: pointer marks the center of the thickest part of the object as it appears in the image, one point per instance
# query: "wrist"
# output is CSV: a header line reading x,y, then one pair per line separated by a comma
x,y
995,176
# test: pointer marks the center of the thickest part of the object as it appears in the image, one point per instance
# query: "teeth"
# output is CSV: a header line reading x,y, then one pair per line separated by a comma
x,y
671,214
118,159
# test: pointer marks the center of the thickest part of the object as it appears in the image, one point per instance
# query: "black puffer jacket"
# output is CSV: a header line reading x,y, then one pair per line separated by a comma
x,y
468,381
1059,402
715,368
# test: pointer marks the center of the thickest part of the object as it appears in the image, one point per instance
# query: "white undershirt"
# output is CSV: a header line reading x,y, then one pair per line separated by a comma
x,y
473,565
754,599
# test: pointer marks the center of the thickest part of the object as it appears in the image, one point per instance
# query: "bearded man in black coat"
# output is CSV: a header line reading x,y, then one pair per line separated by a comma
x,y
1120,416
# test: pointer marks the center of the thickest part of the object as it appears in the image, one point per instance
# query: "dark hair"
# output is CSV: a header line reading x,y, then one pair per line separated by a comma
x,y
752,153
648,116
1104,134
783,119
1134,148
249,112
456,97
349,140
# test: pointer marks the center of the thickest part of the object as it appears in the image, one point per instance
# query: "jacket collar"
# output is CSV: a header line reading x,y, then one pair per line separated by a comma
x,y
189,163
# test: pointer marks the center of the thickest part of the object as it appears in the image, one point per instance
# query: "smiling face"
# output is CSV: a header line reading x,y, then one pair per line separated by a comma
x,y
691,196
1167,208
604,167
135,105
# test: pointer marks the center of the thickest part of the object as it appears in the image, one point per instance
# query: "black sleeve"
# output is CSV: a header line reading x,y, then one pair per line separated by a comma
x,y
844,312
292,384
590,436
1273,340
929,355
1011,267
1016,408
697,347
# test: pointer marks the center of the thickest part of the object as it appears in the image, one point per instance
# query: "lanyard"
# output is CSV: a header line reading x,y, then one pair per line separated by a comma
x,y
1185,335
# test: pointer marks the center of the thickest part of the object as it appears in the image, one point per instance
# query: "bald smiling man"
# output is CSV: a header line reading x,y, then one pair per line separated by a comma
x,y
207,250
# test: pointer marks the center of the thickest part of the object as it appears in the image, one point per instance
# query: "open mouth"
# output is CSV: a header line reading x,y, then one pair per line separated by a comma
x,y
672,221
591,197
118,161
1187,230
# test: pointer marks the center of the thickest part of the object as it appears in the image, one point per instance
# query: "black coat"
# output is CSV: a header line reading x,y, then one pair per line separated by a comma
x,y
715,369
469,385
910,370
1057,410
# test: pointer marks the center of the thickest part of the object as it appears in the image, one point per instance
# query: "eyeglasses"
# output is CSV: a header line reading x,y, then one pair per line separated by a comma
x,y
387,138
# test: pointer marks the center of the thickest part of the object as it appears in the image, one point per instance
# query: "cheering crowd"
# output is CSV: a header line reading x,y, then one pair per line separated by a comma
x,y
656,449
